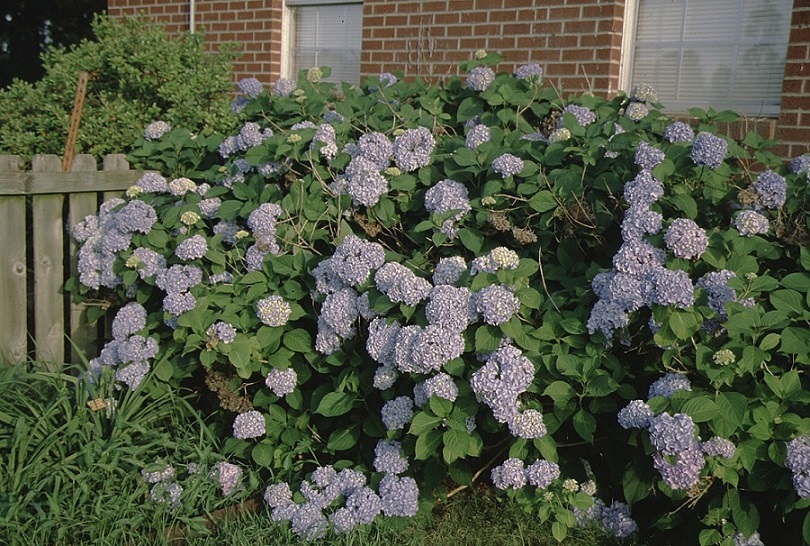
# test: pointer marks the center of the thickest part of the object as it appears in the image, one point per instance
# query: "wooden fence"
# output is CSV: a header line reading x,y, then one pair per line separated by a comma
x,y
38,208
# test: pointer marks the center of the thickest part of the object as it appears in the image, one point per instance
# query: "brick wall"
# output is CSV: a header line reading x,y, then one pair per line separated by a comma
x,y
255,25
577,42
793,127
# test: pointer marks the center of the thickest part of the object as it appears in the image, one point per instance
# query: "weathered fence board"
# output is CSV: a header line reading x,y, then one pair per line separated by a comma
x,y
48,202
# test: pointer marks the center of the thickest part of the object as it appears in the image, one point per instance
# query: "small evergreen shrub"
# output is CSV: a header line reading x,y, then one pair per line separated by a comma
x,y
397,289
137,75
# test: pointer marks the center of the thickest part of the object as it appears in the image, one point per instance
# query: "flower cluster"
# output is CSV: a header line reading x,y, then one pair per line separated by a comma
x,y
156,130
448,196
797,460
248,425
480,77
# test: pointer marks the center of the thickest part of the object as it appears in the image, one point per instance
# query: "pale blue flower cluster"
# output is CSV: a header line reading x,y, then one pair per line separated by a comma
x,y
636,111
284,87
192,248
156,130
507,374
617,520
668,385
448,196
399,496
797,460
480,77
718,447
718,292
388,79
441,386
449,270
423,350
643,92
249,424
750,223
678,457
686,239
541,473
129,320
413,149
152,182
400,284
800,164
648,156
636,414
496,259
227,476
250,87
273,310
325,135
451,308
753,540
281,381
507,165
531,72
221,332
583,115
679,132
708,150
388,457
350,265
397,413
511,474
770,190
476,136
496,304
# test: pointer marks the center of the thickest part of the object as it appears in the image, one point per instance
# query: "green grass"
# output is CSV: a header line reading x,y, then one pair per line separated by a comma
x,y
70,475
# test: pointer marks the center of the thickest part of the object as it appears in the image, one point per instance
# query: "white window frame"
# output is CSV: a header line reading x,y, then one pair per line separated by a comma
x,y
287,35
629,28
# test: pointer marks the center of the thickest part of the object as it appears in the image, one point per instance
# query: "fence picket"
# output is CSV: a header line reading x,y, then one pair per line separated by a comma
x,y
57,202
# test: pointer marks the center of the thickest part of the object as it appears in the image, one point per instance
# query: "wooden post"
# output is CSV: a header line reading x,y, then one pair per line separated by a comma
x,y
49,307
13,293
75,118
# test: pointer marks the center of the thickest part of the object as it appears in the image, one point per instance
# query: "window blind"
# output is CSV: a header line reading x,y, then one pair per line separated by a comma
x,y
727,54
327,35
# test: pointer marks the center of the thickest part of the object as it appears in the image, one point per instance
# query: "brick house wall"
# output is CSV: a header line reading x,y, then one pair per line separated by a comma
x,y
577,42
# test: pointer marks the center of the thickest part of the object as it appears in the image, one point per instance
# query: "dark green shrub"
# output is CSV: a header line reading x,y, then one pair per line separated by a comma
x,y
137,75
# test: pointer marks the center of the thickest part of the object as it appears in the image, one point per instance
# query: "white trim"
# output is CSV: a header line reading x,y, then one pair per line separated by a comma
x,y
629,25
320,2
286,39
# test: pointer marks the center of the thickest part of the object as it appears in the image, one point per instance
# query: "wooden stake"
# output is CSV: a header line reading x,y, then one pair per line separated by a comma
x,y
75,117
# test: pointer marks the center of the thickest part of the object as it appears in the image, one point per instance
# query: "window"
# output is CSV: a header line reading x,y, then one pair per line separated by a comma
x,y
324,33
727,54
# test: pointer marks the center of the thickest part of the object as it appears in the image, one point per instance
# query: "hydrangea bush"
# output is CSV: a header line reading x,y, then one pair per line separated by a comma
x,y
398,289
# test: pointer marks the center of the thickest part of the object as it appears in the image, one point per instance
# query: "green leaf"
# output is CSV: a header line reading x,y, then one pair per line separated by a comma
x,y
806,528
683,323
700,409
423,422
788,301
560,392
456,445
229,210
298,340
770,341
487,338
335,403
635,484
584,424
473,240
543,201
344,438
164,370
440,406
559,530
262,453
427,445
686,204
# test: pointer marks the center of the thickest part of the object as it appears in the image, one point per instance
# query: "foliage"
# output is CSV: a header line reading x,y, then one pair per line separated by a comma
x,y
73,453
137,75
602,247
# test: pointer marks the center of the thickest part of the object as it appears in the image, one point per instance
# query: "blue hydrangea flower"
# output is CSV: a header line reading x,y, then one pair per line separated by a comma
x,y
277,494
497,304
129,320
800,164
715,284
638,258
222,332
753,540
354,259
750,223
399,496
527,424
480,77
400,284
249,424
511,474
156,129
441,386
636,111
281,381
381,341
709,150
643,92
682,469
388,79
640,221
388,457
583,115
541,473
672,434
451,308
679,132
273,311
507,165
636,414
718,447
478,135
385,377
397,413
179,303
192,248
250,87
447,196
284,87
672,288
648,156
616,519
530,72
643,190
607,316
449,270
339,310
686,239
667,385
413,149
771,190
498,258
376,148
133,374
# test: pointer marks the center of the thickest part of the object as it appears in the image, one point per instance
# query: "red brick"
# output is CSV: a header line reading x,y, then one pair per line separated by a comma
x,y
517,29
579,27
563,14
